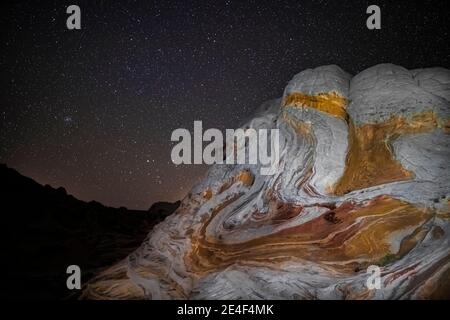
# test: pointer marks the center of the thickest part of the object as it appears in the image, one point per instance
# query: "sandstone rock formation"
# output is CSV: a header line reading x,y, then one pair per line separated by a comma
x,y
363,180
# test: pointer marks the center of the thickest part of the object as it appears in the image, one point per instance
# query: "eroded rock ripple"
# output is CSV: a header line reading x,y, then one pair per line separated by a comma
x,y
363,180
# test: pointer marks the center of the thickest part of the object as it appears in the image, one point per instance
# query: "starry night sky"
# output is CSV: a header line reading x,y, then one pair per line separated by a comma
x,y
93,110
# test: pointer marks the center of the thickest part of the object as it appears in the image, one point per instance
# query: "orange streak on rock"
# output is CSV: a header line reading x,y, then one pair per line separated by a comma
x,y
370,161
245,176
300,127
383,218
207,194
341,239
330,102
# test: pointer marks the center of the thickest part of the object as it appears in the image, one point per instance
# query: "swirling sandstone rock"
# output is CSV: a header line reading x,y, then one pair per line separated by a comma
x,y
363,179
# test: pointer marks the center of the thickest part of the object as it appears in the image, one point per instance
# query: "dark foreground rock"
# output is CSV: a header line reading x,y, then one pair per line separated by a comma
x,y
47,230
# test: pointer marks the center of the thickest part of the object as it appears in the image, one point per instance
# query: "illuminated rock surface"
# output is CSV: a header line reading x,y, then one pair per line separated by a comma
x,y
363,180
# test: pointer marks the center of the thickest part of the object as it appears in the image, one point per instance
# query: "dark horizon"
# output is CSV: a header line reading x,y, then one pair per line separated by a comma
x,y
4,166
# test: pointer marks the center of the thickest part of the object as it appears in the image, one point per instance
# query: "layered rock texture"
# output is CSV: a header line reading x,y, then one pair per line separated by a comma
x,y
363,180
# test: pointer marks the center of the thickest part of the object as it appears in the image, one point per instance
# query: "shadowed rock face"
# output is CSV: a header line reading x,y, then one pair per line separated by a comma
x,y
363,179
46,230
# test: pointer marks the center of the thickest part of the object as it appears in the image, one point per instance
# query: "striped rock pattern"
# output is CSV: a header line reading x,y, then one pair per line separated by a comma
x,y
363,180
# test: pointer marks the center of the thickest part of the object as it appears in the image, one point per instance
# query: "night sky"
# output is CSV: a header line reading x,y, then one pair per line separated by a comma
x,y
93,110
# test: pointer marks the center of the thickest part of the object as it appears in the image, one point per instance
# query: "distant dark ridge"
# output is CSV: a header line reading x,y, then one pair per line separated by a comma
x,y
47,230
